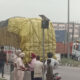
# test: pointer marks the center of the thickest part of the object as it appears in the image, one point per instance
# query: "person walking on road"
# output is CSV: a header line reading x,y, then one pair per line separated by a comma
x,y
3,60
38,69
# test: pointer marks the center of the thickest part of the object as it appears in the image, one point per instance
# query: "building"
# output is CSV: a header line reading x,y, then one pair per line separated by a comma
x,y
74,29
61,32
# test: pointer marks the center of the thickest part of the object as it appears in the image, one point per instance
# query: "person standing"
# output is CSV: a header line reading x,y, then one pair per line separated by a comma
x,y
38,69
20,66
31,65
49,75
3,60
15,64
54,62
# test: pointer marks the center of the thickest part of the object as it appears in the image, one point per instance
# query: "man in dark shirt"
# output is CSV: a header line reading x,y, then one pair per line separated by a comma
x,y
3,60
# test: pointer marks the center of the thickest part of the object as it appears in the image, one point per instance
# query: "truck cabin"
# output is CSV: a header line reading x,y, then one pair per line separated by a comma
x,y
77,47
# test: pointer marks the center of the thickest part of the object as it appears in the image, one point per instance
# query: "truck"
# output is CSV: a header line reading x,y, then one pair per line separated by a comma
x,y
26,34
76,50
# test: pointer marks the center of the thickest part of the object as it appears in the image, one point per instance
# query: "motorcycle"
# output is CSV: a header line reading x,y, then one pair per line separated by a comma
x,y
56,76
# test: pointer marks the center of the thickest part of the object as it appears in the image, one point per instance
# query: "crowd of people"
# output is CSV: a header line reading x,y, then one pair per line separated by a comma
x,y
36,66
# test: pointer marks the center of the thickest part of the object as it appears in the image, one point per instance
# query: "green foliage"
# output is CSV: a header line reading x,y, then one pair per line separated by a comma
x,y
70,62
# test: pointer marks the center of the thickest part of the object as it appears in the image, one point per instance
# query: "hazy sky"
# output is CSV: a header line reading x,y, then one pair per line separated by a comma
x,y
55,10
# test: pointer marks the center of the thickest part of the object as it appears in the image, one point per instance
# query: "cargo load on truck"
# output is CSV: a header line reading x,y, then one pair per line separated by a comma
x,y
26,34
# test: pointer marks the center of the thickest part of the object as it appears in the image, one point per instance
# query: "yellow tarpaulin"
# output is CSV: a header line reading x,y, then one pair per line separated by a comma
x,y
30,33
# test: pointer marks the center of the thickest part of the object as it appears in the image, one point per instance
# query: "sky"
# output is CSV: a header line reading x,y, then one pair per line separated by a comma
x,y
55,10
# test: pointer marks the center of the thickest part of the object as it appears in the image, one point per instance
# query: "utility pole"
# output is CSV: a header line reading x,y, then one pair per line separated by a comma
x,y
79,31
68,46
45,25
72,31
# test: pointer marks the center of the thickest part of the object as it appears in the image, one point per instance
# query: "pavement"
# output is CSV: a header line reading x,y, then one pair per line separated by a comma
x,y
66,72
6,73
69,73
9,75
6,77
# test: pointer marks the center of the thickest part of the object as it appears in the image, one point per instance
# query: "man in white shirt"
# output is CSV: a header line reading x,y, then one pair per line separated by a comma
x,y
54,62
38,69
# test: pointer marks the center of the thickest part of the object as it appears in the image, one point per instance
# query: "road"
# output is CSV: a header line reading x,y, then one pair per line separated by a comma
x,y
6,72
67,73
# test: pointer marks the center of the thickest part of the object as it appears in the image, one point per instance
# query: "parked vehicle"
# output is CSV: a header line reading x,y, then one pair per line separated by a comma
x,y
62,48
76,51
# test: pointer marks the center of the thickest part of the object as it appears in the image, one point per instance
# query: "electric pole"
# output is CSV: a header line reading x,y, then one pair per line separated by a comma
x,y
73,32
68,46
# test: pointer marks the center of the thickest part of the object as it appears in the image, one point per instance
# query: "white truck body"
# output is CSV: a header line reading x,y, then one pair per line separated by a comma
x,y
76,51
